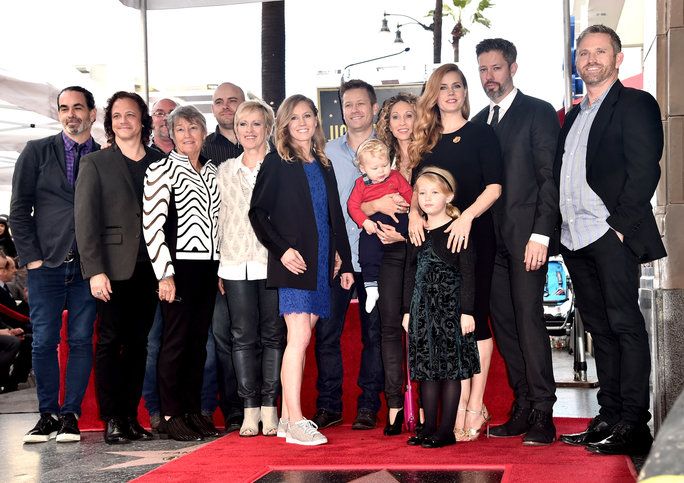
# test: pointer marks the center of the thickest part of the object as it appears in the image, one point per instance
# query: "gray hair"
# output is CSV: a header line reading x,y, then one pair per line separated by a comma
x,y
190,114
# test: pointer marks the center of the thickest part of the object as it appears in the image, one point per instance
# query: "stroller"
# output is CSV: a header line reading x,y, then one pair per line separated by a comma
x,y
559,300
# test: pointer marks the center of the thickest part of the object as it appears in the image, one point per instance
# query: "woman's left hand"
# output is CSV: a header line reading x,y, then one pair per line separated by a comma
x,y
346,280
467,324
459,231
388,234
167,289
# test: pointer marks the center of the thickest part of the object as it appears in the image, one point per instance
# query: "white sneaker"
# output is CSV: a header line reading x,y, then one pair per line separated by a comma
x,y
282,428
304,432
372,296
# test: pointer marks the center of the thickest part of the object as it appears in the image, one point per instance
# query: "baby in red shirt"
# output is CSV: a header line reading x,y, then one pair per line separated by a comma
x,y
377,180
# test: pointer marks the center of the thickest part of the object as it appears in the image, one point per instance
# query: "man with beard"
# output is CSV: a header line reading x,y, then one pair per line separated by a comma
x,y
607,168
161,141
42,219
223,144
525,218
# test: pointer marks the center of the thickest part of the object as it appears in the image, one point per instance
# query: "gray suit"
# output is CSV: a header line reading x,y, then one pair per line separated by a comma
x,y
42,207
108,215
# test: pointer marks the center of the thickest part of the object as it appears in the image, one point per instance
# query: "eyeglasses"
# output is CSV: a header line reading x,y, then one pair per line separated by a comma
x,y
160,114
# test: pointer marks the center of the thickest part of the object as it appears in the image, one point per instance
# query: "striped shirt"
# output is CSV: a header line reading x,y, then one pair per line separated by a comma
x,y
584,214
173,186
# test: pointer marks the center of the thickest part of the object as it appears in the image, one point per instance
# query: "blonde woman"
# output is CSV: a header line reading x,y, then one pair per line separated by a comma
x,y
296,214
255,329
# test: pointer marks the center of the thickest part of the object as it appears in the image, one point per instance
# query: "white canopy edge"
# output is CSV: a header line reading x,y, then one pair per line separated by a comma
x,y
171,4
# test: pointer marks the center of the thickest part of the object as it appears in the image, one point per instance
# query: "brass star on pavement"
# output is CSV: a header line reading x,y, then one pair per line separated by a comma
x,y
150,457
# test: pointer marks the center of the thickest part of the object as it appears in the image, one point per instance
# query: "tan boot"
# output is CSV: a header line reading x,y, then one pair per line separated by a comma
x,y
250,423
269,420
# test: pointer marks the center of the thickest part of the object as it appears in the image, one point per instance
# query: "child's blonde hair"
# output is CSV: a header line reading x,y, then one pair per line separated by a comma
x,y
445,180
373,147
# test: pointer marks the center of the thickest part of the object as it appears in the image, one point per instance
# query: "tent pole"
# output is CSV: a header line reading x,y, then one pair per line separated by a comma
x,y
145,85
567,54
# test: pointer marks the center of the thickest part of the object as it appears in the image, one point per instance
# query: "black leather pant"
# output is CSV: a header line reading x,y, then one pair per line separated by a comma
x,y
391,287
258,336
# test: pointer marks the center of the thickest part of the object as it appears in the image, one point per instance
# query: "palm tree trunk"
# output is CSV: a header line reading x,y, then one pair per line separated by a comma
x,y
273,52
437,33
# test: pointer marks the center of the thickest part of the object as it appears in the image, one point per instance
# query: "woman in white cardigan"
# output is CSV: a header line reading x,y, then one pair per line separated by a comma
x,y
257,330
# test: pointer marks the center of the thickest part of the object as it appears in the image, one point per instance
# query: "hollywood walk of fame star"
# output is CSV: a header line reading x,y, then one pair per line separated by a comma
x,y
150,457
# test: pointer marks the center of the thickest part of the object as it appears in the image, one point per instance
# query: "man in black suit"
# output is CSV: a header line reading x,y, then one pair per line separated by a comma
x,y
525,218
42,219
607,169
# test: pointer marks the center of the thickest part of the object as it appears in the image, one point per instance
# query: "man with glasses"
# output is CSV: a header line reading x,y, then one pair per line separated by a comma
x,y
42,219
161,141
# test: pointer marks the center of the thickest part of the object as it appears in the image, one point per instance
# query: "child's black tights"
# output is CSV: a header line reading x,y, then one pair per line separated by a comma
x,y
431,394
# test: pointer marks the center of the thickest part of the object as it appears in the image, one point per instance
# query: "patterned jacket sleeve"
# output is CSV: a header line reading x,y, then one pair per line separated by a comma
x,y
155,211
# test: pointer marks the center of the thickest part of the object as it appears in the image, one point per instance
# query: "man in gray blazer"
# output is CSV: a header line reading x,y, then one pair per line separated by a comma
x,y
42,219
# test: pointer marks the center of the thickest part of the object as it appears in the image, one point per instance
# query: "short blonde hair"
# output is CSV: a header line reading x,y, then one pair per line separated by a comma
x,y
443,179
257,106
373,147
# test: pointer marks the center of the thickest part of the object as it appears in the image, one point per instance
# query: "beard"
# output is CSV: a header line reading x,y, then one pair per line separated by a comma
x,y
598,76
80,127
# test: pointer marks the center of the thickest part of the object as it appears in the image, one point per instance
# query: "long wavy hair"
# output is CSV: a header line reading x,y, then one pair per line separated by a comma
x,y
285,146
445,181
428,125
145,118
384,132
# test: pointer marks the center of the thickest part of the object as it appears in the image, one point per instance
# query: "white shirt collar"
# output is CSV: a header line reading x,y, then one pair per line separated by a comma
x,y
504,104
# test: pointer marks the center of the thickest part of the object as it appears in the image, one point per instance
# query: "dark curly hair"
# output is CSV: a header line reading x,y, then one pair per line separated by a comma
x,y
383,127
145,117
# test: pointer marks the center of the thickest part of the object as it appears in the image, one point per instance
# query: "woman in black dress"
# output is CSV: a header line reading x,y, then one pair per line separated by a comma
x,y
443,137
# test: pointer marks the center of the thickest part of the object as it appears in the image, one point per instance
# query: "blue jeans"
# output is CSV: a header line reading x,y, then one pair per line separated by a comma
x,y
53,290
151,390
329,355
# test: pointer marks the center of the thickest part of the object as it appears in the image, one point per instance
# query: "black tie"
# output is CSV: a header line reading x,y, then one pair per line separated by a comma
x,y
495,117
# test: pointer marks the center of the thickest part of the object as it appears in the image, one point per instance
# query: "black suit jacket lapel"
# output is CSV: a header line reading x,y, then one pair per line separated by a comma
x,y
601,121
509,122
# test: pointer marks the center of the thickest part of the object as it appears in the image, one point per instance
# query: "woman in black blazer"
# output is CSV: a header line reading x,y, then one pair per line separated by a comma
x,y
108,219
296,214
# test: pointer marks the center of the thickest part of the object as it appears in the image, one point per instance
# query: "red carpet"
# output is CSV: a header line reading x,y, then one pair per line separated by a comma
x,y
498,395
244,459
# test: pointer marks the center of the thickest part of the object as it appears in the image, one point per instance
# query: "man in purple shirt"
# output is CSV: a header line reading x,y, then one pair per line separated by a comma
x,y
42,219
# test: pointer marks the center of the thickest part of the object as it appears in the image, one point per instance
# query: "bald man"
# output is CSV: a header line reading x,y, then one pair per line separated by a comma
x,y
222,144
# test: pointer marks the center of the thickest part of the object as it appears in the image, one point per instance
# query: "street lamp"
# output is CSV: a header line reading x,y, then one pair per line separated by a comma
x,y
435,29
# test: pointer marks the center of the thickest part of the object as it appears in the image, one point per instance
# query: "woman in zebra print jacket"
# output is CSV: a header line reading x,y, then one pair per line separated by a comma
x,y
180,214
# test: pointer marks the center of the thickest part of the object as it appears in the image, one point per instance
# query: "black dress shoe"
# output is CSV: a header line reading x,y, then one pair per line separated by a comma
x,y
439,442
542,431
416,440
201,424
115,432
178,429
324,418
394,429
597,430
625,439
365,419
518,423
233,422
135,432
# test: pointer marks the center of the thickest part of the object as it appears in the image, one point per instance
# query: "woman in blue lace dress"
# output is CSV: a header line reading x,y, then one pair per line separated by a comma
x,y
296,215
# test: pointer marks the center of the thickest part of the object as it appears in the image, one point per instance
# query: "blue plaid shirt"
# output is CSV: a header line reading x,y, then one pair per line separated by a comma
x,y
70,150
584,214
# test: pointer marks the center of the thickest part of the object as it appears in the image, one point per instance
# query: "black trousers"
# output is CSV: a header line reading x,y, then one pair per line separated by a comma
x,y
9,348
121,351
258,334
520,331
605,277
391,287
183,349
